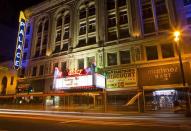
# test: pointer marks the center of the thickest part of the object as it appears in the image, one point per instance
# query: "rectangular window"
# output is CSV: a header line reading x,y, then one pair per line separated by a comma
x,y
112,59
67,19
121,3
91,40
63,66
149,27
34,71
82,13
66,33
44,52
112,35
123,17
187,2
167,50
41,72
124,33
110,4
81,63
12,80
82,43
65,47
82,29
37,53
57,48
58,35
90,61
28,29
92,26
151,52
125,57
111,20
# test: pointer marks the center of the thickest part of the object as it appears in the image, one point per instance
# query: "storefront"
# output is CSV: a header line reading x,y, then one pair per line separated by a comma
x,y
121,87
163,85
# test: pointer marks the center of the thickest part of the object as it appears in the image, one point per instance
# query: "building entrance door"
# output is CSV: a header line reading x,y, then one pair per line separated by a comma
x,y
164,99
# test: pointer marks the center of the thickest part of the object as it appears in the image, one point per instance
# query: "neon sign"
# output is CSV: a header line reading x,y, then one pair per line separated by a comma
x,y
20,41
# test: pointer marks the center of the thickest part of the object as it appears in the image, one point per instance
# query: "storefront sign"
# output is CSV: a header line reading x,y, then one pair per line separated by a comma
x,y
20,39
121,78
162,75
80,81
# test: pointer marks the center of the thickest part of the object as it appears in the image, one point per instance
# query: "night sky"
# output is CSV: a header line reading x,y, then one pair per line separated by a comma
x,y
9,14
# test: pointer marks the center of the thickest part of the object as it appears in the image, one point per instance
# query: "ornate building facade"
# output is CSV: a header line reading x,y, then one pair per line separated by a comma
x,y
130,40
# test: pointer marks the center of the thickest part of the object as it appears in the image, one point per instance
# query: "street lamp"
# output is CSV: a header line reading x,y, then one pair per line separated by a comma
x,y
177,41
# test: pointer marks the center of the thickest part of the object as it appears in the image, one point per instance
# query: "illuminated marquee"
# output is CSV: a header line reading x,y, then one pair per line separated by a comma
x,y
80,82
20,41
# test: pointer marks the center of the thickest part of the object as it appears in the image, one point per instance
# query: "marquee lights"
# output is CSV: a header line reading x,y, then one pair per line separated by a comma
x,y
20,41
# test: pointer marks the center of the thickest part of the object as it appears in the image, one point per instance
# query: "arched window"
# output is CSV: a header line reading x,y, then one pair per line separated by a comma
x,y
42,37
87,24
62,31
117,21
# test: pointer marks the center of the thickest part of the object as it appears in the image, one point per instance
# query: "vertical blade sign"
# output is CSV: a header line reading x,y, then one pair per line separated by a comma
x,y
20,41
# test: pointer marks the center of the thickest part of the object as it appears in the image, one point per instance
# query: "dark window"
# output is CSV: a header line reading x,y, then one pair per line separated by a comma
x,y
57,48
91,10
65,47
34,71
125,57
152,53
187,2
41,72
25,56
46,26
112,59
124,33
111,20
80,63
66,33
160,7
167,50
82,29
58,35
59,22
147,11
37,53
82,13
67,19
63,68
121,3
82,43
123,17
91,40
26,43
43,52
12,80
90,61
110,4
163,23
149,27
112,36
92,27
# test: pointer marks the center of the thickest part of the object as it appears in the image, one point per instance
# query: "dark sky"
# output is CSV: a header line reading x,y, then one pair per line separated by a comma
x,y
9,13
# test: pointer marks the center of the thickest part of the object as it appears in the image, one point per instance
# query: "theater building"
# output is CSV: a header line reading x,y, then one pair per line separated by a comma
x,y
130,43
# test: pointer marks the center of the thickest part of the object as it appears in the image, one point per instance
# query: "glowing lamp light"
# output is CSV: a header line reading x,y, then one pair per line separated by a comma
x,y
176,36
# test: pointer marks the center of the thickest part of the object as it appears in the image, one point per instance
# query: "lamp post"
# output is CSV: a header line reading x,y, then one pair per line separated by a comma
x,y
177,41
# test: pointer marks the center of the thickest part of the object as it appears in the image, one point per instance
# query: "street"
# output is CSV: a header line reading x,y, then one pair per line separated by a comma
x,y
12,120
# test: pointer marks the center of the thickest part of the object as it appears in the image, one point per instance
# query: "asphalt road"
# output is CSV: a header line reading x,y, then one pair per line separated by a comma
x,y
26,121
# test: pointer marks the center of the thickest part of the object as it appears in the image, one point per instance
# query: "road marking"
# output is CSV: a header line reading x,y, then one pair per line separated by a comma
x,y
71,121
